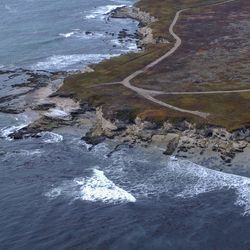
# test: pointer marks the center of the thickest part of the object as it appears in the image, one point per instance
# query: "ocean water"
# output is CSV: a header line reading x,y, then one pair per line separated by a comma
x,y
61,35
57,192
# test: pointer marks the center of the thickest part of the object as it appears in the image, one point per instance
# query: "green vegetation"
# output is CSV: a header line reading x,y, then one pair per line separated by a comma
x,y
113,70
122,103
226,110
164,11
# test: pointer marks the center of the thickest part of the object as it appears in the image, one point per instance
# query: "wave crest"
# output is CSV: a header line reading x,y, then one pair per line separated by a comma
x,y
61,62
97,188
101,11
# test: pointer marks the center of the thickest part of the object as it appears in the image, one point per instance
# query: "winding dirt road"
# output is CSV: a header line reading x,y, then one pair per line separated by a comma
x,y
150,94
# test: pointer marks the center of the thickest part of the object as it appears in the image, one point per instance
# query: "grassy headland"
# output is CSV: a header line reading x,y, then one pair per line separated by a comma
x,y
211,57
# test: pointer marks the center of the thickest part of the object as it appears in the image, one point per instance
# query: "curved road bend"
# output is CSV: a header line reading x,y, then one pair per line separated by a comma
x,y
149,94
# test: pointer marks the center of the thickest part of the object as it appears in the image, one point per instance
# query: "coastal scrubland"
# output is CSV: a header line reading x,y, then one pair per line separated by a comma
x,y
213,57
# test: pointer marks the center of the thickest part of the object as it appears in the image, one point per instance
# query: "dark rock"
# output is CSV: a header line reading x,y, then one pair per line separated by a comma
x,y
226,160
86,107
89,33
43,124
122,34
17,135
63,94
230,154
44,106
171,147
11,110
208,132
183,126
93,140
2,152
183,149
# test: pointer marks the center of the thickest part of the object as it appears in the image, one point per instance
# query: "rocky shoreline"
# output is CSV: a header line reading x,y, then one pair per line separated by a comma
x,y
181,139
145,33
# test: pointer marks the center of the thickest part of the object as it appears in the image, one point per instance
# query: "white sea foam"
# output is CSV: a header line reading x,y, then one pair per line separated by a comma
x,y
132,46
101,11
51,137
101,150
203,180
23,120
61,62
125,2
97,188
177,178
30,152
57,113
125,46
86,145
100,188
6,131
82,34
173,177
55,192
10,9
24,153
66,35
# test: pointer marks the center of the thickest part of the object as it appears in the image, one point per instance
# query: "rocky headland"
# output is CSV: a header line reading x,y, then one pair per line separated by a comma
x,y
76,102
145,33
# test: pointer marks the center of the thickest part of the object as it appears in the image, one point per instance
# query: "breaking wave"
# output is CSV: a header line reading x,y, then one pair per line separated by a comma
x,y
57,113
61,62
170,177
23,120
174,178
125,46
66,35
201,180
82,34
97,188
51,137
100,12
24,153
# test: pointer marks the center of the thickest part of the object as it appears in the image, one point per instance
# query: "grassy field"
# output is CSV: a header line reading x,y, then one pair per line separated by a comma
x,y
226,110
200,64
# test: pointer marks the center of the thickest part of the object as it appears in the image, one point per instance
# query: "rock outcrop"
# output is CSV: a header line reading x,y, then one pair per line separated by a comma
x,y
181,139
145,20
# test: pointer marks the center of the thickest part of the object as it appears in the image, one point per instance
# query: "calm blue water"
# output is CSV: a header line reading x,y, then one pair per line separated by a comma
x,y
56,194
